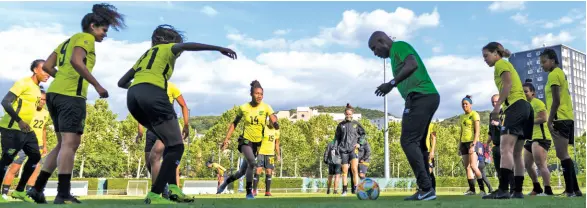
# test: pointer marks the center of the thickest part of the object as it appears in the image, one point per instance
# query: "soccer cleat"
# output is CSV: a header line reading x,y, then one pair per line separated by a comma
x,y
69,199
565,194
343,193
37,196
533,193
498,194
482,193
4,196
153,198
469,193
517,195
422,196
328,191
165,193
578,193
335,192
22,196
3,200
268,194
175,194
250,196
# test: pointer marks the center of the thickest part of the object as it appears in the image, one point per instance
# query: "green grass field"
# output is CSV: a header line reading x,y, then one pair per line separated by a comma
x,y
448,200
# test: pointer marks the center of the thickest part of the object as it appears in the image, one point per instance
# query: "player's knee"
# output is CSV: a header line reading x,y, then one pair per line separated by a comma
x,y
175,148
34,157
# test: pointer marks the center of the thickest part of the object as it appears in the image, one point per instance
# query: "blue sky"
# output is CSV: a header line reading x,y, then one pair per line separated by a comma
x,y
304,53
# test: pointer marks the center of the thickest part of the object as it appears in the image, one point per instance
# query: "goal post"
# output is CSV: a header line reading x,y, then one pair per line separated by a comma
x,y
137,187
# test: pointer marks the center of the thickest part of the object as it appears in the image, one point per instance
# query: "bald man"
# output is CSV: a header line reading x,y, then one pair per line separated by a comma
x,y
422,99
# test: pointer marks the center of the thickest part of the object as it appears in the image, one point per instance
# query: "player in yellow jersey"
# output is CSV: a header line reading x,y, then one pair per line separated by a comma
x,y
218,169
431,149
154,147
148,102
38,125
518,123
560,118
536,150
255,115
66,97
470,128
268,152
20,104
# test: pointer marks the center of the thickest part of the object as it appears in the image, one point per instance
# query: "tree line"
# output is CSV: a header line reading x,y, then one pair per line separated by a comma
x,y
110,148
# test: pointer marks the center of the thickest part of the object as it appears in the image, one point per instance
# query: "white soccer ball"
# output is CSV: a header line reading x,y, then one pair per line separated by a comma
x,y
368,189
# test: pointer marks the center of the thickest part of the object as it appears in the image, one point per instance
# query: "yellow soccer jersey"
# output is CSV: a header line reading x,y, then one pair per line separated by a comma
x,y
173,92
565,110
540,131
467,122
430,131
268,143
38,124
254,120
517,92
28,96
155,66
67,81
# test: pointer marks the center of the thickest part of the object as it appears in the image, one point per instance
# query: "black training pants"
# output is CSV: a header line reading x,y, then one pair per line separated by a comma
x,y
418,113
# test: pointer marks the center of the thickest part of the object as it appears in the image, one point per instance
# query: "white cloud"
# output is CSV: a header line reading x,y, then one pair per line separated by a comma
x,y
500,6
557,23
520,18
161,19
354,29
437,49
208,10
552,39
282,32
290,78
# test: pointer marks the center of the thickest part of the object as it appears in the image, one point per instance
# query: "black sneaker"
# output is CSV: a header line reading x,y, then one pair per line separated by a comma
x,y
498,194
37,196
69,199
222,186
565,194
517,195
578,193
328,191
335,192
422,196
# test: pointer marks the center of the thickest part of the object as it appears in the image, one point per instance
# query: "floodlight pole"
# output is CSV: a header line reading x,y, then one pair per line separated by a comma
x,y
386,126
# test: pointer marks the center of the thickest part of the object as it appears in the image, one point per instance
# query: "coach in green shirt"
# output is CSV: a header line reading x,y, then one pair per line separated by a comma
x,y
422,99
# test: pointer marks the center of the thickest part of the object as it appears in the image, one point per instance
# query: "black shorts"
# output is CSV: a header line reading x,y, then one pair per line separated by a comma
x,y
254,145
464,148
67,112
150,140
565,128
13,141
150,106
266,161
363,168
519,120
334,169
347,157
544,143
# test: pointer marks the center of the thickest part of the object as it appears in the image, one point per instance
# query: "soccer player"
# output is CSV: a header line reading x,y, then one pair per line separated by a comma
x,y
347,140
154,147
364,157
149,103
480,151
469,122
422,100
66,97
560,118
20,105
536,150
494,132
255,114
266,158
334,169
430,150
218,169
38,125
518,121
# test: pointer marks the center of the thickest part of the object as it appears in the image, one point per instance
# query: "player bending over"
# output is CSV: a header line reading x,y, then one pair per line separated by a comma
x,y
148,102
266,158
219,171
20,106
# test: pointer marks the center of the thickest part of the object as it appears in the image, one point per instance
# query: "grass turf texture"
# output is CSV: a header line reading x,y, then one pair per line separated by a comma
x,y
315,200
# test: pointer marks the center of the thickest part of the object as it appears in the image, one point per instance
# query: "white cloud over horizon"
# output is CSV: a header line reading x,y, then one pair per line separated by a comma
x,y
502,6
208,10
